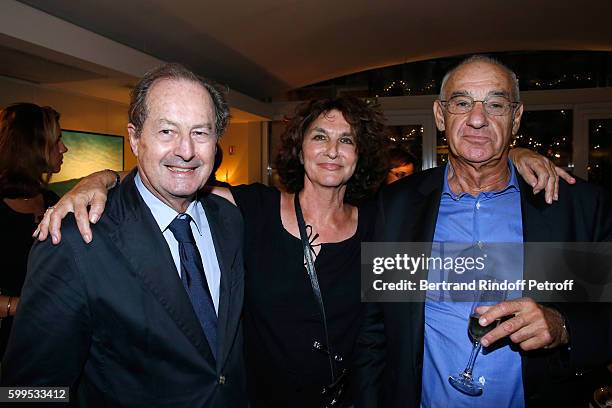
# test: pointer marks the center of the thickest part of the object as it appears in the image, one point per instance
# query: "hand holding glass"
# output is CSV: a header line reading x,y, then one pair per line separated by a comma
x,y
464,381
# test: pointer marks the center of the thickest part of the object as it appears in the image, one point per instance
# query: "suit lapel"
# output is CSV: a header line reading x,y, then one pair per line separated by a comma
x,y
140,241
426,213
418,208
224,251
431,192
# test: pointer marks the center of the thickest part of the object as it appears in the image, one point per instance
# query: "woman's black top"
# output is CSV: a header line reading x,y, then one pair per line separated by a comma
x,y
16,240
281,316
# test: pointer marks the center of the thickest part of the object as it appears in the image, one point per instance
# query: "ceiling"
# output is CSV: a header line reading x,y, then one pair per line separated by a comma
x,y
26,62
263,48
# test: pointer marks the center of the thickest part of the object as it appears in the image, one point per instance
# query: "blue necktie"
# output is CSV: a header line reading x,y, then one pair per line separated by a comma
x,y
194,279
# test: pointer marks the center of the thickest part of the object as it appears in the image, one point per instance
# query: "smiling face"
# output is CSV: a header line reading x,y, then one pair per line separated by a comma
x,y
477,137
176,146
329,151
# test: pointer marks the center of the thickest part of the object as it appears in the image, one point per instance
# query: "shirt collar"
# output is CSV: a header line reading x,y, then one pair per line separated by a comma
x,y
163,213
512,184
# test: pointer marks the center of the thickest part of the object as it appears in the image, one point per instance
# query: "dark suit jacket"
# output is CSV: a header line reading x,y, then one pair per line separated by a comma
x,y
112,320
390,349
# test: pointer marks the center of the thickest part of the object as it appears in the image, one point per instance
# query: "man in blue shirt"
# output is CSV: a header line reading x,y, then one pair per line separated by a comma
x,y
408,350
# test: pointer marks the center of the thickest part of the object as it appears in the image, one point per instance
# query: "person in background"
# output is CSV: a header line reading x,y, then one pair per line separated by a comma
x,y
332,160
401,164
31,149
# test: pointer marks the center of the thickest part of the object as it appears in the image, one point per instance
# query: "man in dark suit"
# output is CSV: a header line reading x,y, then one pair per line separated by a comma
x,y
408,350
148,313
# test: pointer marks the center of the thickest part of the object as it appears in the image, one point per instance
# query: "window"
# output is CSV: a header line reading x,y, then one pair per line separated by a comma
x,y
548,132
600,153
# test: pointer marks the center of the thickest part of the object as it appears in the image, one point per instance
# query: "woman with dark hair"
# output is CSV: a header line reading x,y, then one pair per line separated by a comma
x,y
301,323
31,150
332,157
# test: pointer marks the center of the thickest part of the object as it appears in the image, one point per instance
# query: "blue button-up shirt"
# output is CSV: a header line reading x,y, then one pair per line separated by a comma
x,y
490,217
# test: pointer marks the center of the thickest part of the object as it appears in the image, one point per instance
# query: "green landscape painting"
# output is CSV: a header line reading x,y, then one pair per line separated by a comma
x,y
87,153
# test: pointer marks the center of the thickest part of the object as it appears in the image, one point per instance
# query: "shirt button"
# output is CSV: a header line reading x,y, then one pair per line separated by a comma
x,y
478,205
221,379
480,244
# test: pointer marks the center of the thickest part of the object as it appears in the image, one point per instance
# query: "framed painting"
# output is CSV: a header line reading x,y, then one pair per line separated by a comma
x,y
87,152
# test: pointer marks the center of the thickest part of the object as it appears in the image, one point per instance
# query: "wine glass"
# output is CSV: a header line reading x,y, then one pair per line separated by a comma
x,y
464,381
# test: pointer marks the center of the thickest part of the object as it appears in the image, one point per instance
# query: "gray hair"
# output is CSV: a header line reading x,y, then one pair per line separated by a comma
x,y
138,110
488,60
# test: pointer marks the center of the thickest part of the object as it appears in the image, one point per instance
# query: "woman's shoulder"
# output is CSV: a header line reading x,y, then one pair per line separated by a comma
x,y
255,197
254,190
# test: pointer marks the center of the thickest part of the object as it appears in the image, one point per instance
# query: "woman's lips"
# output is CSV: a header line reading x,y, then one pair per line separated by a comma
x,y
330,166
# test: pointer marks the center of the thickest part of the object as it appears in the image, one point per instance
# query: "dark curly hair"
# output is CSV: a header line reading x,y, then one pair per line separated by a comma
x,y
367,123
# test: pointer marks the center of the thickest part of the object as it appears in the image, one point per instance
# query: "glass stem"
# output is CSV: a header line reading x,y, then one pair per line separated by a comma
x,y
475,350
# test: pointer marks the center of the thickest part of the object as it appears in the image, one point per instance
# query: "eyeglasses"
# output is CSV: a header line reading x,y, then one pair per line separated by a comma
x,y
493,105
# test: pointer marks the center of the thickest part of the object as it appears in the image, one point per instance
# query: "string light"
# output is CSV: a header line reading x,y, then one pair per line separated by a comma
x,y
402,86
556,83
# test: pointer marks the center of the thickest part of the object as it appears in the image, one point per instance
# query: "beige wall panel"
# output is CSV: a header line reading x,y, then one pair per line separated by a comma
x,y
244,166
235,166
254,134
11,92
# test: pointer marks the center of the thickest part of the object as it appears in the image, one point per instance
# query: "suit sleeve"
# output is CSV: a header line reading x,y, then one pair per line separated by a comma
x,y
370,355
50,337
370,349
590,324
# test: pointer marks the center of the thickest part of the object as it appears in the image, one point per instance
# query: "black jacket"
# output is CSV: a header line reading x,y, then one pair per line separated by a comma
x,y
112,320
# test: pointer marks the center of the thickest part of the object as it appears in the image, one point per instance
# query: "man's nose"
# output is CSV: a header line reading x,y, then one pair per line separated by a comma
x,y
477,117
185,147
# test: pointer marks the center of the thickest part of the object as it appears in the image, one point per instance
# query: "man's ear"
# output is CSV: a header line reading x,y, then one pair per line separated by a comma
x,y
516,119
134,136
438,111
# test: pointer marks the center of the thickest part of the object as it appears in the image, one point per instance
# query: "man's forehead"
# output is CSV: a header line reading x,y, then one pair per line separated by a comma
x,y
475,92
481,78
168,86
178,95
